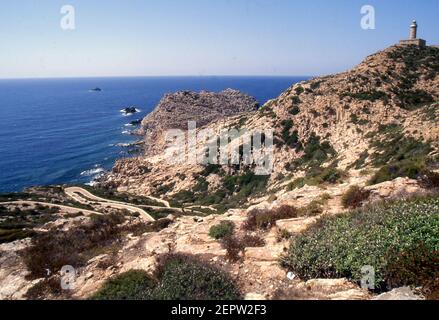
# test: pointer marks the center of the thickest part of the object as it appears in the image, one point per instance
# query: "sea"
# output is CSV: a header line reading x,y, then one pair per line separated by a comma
x,y
60,131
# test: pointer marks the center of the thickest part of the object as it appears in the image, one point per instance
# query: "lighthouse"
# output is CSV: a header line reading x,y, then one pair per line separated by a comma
x,y
413,39
414,30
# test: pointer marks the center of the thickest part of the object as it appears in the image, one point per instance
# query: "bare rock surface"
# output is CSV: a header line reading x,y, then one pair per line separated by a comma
x,y
404,293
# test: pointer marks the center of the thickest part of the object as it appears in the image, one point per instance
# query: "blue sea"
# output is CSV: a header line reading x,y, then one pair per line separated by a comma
x,y
56,131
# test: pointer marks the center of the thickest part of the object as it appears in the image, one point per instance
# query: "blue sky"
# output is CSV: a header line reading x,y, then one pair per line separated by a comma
x,y
201,37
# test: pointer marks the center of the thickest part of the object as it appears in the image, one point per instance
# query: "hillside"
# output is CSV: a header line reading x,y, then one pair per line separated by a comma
x,y
384,111
355,184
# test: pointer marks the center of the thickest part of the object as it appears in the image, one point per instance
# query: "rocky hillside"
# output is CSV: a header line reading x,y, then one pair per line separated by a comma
x,y
343,142
382,112
175,111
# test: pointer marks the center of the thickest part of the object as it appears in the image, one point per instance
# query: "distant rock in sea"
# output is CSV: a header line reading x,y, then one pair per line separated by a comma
x,y
96,89
129,111
137,122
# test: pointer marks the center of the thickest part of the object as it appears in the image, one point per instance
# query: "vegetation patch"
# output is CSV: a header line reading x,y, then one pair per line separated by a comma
x,y
18,223
372,95
295,110
235,191
355,197
177,277
429,179
222,230
317,176
49,287
265,219
340,246
78,244
398,155
290,139
131,285
183,277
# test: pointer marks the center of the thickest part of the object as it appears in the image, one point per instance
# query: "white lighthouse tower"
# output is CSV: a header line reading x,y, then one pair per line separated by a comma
x,y
413,40
414,30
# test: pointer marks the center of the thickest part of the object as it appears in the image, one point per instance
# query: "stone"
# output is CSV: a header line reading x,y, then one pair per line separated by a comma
x,y
404,293
252,296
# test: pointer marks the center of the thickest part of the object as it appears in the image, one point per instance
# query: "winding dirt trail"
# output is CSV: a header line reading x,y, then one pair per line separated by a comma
x,y
83,196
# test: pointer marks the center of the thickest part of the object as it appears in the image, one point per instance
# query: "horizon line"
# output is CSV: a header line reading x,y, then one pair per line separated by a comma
x,y
158,76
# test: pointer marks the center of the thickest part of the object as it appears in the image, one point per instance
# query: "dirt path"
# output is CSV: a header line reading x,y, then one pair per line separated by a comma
x,y
52,205
83,196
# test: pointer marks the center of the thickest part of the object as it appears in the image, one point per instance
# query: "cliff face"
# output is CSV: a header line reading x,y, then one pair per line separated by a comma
x,y
175,111
344,121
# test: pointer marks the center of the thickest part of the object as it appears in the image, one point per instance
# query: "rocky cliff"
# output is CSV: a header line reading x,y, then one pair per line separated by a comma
x,y
175,111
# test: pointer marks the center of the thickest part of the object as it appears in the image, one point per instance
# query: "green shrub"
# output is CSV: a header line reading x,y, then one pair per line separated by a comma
x,y
340,246
131,285
265,219
398,155
177,277
183,277
316,152
222,230
299,90
314,208
317,176
12,235
373,95
406,168
294,110
295,100
354,197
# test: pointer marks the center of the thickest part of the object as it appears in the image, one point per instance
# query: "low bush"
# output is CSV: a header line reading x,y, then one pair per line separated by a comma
x,y
340,246
46,288
318,176
131,285
430,179
252,241
283,235
234,247
183,277
373,95
354,197
265,219
397,155
295,110
54,249
416,267
314,208
12,235
410,168
222,230
177,277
